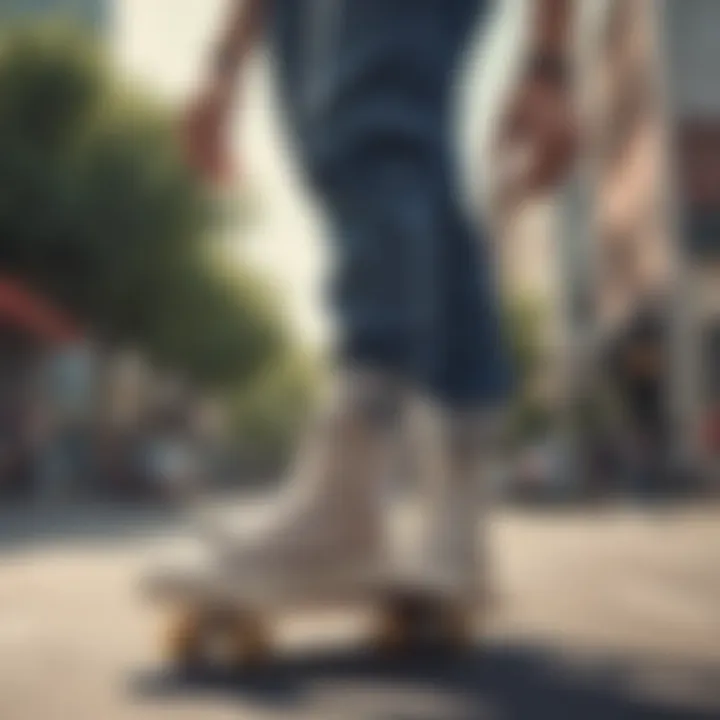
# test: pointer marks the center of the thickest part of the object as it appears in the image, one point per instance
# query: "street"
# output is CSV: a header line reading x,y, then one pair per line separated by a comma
x,y
599,614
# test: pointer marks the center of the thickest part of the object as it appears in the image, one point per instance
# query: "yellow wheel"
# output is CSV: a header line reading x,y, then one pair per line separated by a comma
x,y
184,639
200,639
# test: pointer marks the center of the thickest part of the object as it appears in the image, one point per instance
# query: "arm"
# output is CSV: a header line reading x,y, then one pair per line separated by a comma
x,y
551,27
538,131
238,36
207,122
550,43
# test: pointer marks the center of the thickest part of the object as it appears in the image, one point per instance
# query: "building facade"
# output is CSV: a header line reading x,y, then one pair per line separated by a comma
x,y
652,186
639,222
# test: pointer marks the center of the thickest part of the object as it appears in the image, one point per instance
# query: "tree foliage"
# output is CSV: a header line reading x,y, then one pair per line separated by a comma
x,y
267,416
99,211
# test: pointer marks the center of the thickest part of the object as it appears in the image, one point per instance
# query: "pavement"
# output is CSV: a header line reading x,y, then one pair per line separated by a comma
x,y
610,613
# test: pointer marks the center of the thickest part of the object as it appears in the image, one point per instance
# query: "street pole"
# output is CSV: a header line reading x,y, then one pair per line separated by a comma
x,y
578,242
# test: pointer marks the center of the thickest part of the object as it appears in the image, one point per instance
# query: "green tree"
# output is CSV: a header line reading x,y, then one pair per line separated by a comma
x,y
267,415
99,211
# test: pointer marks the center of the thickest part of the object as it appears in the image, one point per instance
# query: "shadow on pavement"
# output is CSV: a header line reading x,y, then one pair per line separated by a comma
x,y
504,682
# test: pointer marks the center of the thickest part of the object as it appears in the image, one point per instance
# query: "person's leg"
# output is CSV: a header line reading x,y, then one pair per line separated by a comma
x,y
326,525
369,109
469,378
473,370
373,135
414,283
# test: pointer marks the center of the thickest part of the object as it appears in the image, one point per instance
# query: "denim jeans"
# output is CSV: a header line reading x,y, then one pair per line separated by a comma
x,y
366,88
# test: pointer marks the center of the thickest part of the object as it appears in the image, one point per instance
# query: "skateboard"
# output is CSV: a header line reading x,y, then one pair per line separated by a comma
x,y
214,621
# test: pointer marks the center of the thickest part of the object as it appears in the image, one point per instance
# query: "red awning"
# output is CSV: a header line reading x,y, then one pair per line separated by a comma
x,y
28,312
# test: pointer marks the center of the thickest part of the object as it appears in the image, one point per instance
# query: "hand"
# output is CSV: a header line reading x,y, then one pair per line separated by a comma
x,y
538,139
206,132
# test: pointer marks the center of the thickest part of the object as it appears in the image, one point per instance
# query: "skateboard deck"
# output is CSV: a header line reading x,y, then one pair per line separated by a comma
x,y
215,618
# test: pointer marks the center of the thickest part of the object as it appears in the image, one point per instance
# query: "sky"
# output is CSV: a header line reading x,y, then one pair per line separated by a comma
x,y
163,44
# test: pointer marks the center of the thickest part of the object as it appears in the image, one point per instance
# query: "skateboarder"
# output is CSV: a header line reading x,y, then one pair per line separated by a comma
x,y
367,89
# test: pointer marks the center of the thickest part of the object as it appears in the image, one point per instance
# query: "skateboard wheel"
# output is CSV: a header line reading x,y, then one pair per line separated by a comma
x,y
393,632
458,627
184,640
202,639
412,622
251,644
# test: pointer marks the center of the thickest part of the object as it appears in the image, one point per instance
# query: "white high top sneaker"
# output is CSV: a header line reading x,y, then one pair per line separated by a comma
x,y
448,573
324,532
